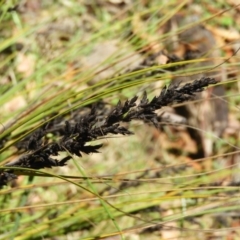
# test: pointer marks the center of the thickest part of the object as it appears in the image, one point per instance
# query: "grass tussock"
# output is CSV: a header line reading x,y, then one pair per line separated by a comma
x,y
119,120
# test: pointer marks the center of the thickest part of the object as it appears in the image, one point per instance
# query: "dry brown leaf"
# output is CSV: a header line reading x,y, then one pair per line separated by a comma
x,y
162,59
187,143
183,142
174,233
233,125
230,35
25,64
234,3
14,104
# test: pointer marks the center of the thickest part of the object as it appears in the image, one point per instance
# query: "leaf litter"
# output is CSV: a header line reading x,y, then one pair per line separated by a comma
x,y
74,133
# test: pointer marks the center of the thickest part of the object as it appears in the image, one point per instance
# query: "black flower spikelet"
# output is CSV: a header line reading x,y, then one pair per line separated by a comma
x,y
75,135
